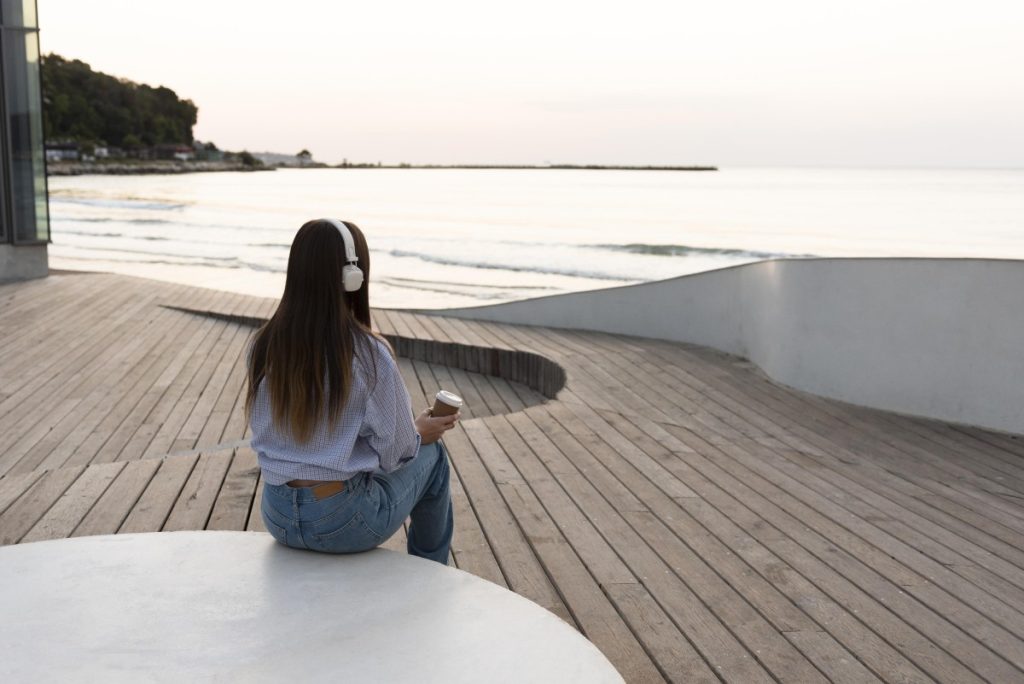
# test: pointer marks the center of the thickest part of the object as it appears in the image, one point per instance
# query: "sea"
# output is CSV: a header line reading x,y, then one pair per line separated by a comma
x,y
444,238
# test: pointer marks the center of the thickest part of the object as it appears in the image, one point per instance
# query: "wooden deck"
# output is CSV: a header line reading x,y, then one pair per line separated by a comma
x,y
695,520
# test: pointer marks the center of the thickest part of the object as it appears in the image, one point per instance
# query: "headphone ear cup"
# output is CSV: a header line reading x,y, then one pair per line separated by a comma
x,y
352,278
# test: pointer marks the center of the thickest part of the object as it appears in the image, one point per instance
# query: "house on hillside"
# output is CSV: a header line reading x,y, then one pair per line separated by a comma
x,y
302,159
174,151
62,151
206,151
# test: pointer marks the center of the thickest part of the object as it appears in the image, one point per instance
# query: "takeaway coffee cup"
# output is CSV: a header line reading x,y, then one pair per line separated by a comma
x,y
445,404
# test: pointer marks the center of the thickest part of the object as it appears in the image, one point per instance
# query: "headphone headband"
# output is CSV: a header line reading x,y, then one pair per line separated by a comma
x,y
351,274
346,236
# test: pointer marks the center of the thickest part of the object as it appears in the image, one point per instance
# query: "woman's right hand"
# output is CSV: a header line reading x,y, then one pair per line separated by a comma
x,y
432,429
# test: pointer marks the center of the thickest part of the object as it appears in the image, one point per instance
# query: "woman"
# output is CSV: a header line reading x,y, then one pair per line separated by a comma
x,y
344,462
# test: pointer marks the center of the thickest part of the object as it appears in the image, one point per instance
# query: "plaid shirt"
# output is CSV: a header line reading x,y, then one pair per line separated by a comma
x,y
375,431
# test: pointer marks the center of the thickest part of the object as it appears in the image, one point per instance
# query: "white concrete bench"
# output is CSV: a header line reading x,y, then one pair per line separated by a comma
x,y
236,606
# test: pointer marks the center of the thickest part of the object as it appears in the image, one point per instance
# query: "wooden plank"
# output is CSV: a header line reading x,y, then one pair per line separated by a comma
x,y
231,509
69,510
177,434
179,398
105,319
116,375
1006,644
508,452
29,298
518,564
677,659
492,400
411,379
156,502
663,580
13,486
27,421
923,446
830,615
22,371
53,320
431,327
854,582
473,404
470,547
236,425
399,324
512,401
216,385
26,511
134,434
192,509
831,658
112,425
255,522
420,339
898,489
117,502
232,398
597,618
953,478
900,512
381,322
428,380
674,566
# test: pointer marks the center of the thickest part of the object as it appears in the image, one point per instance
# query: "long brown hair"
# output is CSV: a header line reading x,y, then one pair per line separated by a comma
x,y
304,352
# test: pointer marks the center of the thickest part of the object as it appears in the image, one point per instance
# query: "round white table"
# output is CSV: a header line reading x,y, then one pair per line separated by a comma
x,y
237,606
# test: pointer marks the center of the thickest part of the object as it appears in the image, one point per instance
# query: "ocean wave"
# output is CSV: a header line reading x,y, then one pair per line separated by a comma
x,y
686,250
169,258
93,234
502,294
107,219
546,270
60,231
416,282
124,203
57,219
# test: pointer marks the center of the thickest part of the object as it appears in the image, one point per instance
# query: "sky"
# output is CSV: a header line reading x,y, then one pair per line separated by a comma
x,y
894,83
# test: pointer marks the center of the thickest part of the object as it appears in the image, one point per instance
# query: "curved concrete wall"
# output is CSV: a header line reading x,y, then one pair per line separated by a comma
x,y
942,338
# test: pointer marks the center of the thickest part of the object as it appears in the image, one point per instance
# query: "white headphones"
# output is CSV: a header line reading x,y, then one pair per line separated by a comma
x,y
351,274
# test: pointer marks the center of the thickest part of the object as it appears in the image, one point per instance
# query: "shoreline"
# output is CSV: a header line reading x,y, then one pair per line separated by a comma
x,y
526,167
140,168
129,168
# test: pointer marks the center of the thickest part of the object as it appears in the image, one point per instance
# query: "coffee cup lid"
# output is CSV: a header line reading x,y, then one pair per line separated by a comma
x,y
446,397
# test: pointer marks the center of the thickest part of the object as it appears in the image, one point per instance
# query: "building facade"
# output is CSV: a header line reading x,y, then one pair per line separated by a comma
x,y
24,214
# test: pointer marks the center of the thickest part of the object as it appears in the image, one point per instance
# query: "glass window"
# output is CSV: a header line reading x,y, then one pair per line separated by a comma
x,y
25,136
18,13
4,232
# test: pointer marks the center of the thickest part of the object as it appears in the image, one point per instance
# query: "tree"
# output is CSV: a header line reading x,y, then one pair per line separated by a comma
x,y
87,106
248,159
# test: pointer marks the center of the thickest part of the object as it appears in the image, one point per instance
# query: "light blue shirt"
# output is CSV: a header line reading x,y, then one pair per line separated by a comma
x,y
375,431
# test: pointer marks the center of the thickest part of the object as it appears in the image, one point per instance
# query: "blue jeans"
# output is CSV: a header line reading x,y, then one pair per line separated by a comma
x,y
370,509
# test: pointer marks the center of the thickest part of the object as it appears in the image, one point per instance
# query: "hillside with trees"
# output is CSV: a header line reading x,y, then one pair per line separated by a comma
x,y
91,107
